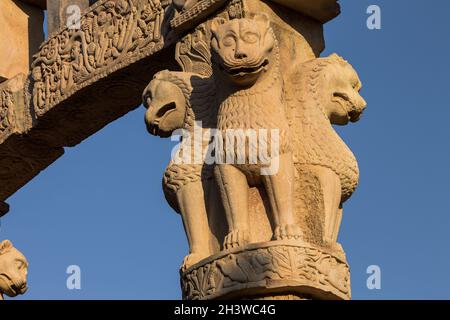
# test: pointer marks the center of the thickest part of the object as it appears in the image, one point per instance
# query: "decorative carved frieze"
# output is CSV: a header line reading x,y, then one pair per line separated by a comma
x,y
113,34
269,268
12,105
21,156
6,112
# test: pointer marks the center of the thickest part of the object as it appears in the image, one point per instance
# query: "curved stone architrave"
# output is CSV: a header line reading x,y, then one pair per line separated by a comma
x,y
271,268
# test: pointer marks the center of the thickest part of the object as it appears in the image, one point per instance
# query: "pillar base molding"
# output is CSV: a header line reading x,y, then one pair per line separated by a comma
x,y
271,269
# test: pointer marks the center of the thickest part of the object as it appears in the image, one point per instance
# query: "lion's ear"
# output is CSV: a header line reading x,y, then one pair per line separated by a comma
x,y
216,24
5,246
262,20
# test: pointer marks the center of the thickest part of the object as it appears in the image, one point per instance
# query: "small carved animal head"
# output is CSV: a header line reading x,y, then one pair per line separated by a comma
x,y
347,104
13,270
338,87
166,101
243,47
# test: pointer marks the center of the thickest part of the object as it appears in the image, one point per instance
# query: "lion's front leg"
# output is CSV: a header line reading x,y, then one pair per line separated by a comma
x,y
330,185
280,190
233,189
191,201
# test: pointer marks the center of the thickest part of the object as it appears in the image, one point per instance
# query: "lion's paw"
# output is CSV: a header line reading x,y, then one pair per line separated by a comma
x,y
235,239
288,232
190,260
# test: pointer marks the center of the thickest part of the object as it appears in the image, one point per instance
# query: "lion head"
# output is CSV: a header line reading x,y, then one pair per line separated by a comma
x,y
336,86
13,270
166,101
243,48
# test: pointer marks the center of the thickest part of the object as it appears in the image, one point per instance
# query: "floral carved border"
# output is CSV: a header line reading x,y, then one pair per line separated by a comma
x,y
270,267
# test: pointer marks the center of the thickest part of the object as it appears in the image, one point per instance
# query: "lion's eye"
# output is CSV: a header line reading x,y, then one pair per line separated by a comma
x,y
228,41
250,37
19,264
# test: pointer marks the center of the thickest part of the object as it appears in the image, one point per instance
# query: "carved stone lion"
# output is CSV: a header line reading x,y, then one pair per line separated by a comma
x,y
329,94
172,104
13,270
247,67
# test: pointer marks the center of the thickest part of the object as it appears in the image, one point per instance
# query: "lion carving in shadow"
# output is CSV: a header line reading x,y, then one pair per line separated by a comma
x,y
13,270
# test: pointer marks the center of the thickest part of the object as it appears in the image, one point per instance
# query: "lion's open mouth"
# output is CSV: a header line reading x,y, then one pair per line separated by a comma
x,y
153,129
243,71
162,113
355,116
13,288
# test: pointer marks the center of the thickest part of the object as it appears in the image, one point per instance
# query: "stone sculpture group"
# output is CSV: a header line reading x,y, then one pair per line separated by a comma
x,y
240,86
262,202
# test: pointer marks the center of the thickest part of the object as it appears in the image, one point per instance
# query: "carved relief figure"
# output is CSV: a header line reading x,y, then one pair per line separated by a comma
x,y
172,104
39,88
6,106
251,97
329,94
13,270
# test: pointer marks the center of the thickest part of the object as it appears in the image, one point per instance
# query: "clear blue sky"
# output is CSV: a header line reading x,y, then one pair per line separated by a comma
x,y
101,206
